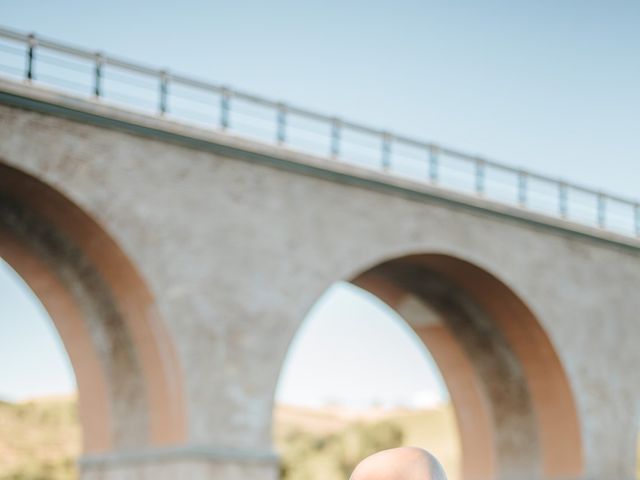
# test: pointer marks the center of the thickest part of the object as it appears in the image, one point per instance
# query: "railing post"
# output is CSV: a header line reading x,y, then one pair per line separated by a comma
x,y
563,199
481,167
164,90
31,47
225,99
282,124
336,129
522,188
386,151
433,163
602,210
97,86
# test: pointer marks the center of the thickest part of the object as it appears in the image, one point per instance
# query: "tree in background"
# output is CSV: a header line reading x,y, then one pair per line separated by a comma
x,y
307,456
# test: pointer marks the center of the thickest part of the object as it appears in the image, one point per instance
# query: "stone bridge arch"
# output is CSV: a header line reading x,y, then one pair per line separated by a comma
x,y
514,406
128,377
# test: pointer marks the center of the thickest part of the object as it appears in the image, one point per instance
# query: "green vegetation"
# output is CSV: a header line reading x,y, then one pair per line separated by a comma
x,y
326,457
33,469
40,440
327,444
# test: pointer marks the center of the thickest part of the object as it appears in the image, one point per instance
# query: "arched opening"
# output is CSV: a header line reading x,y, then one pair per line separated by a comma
x,y
39,431
357,379
513,404
128,379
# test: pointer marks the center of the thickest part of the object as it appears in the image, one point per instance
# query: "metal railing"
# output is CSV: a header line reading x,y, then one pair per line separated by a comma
x,y
155,91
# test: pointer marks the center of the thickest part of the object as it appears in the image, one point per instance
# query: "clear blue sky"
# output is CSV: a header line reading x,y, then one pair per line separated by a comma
x,y
33,361
550,86
353,349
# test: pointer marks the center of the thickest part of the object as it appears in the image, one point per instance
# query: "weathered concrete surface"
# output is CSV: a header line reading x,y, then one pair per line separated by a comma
x,y
162,469
234,253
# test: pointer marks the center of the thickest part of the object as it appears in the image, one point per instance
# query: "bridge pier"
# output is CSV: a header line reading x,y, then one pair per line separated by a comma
x,y
197,463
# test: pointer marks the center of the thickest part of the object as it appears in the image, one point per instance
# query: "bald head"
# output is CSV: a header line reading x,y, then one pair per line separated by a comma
x,y
405,463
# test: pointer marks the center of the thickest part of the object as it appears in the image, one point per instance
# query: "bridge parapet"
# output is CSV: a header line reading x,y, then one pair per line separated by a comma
x,y
216,107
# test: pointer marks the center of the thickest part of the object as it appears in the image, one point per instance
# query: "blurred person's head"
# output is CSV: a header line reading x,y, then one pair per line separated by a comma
x,y
405,463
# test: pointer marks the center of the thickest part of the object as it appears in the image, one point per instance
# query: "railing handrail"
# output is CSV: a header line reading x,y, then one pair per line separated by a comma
x,y
387,138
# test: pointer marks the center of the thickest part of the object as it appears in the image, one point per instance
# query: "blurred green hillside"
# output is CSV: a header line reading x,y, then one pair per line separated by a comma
x,y
40,439
327,443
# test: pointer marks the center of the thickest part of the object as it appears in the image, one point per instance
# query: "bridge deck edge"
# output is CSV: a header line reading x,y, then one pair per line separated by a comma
x,y
42,100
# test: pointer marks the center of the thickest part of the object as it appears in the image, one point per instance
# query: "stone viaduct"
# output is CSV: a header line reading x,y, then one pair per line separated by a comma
x,y
177,264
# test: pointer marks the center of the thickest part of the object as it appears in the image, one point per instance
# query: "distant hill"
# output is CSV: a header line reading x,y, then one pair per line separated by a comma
x,y
434,429
39,439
